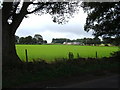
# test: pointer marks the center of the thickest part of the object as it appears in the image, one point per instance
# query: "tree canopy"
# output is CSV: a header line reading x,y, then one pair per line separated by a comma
x,y
37,39
60,11
103,18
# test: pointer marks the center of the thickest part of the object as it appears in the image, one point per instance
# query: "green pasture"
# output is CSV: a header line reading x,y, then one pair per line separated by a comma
x,y
52,52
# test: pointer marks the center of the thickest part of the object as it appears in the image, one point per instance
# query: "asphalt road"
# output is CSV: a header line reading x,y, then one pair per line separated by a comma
x,y
107,82
111,81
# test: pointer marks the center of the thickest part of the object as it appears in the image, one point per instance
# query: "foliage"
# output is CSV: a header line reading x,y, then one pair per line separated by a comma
x,y
16,39
116,54
61,12
85,41
60,40
103,18
38,38
31,40
113,41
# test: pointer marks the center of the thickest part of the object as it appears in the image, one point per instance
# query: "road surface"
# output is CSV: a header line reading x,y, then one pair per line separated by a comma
x,y
108,82
111,81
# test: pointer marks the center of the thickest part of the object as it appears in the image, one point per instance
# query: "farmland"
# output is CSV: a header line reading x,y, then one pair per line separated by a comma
x,y
52,52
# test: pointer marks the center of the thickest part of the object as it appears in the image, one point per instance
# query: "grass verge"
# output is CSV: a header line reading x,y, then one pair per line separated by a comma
x,y
40,70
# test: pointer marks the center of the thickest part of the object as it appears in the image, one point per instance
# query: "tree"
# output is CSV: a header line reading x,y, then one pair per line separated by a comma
x,y
60,40
106,40
38,38
96,41
22,40
113,41
44,41
103,18
28,40
16,39
15,11
116,41
34,41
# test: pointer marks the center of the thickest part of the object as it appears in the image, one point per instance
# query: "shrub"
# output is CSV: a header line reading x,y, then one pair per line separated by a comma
x,y
116,54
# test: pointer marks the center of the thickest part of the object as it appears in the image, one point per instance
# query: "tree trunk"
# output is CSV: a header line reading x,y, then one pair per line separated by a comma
x,y
9,54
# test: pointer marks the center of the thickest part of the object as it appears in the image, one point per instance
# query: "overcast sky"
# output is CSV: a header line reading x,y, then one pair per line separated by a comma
x,y
44,26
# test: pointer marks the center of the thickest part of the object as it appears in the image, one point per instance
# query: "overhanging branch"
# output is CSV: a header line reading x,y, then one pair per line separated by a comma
x,y
41,7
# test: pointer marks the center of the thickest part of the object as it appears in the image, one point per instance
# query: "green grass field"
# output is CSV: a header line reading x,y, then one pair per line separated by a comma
x,y
51,52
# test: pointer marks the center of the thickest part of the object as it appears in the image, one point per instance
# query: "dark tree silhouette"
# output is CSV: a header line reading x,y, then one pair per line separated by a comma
x,y
39,38
14,12
103,18
16,39
28,39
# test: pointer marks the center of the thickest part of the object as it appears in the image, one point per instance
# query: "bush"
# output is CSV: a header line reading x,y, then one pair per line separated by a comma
x,y
40,70
116,54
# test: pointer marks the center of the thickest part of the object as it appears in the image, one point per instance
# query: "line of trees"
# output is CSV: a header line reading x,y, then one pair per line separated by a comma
x,y
60,40
85,41
89,41
37,39
113,41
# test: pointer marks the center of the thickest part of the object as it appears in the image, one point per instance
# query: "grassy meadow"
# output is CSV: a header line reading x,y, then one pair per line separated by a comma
x,y
52,52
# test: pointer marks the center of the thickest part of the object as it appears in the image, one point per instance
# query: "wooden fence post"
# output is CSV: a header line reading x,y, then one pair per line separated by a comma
x,y
26,55
96,54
